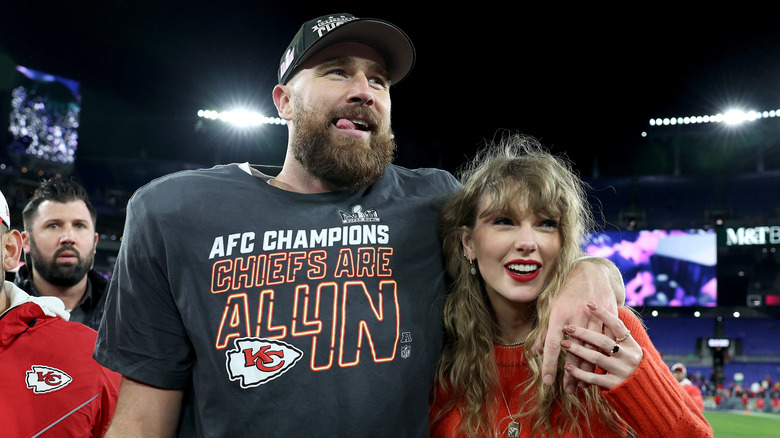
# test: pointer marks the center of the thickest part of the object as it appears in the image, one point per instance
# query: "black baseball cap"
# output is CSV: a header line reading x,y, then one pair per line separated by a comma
x,y
387,39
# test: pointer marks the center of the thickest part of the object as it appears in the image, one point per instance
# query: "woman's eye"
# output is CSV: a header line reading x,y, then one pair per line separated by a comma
x,y
502,221
549,223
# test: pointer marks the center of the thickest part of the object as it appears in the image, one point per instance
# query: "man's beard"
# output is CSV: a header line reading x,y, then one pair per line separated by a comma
x,y
56,274
341,161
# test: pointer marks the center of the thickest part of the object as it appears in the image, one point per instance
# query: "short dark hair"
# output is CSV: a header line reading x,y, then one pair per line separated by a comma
x,y
60,190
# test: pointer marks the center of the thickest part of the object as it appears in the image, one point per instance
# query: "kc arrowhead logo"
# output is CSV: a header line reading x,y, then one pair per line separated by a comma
x,y
42,379
256,361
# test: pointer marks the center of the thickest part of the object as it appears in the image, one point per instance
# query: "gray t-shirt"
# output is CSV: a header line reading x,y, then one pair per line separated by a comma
x,y
282,314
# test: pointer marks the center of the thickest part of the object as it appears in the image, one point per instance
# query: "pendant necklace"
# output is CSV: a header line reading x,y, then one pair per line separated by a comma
x,y
513,430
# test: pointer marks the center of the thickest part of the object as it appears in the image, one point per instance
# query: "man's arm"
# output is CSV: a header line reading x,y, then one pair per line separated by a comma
x,y
145,411
592,279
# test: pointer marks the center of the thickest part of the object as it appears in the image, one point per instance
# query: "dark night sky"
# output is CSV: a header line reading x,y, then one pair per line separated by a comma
x,y
583,80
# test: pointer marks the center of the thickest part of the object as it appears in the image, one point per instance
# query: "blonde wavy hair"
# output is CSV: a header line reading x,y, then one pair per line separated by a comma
x,y
516,172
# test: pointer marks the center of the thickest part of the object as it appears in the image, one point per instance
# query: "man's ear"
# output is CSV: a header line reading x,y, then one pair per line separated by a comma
x,y
12,245
26,242
283,101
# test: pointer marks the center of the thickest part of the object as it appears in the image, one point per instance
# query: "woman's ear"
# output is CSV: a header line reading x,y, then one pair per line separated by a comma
x,y
466,239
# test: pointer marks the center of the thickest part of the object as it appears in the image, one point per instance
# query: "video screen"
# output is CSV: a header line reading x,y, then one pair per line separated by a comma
x,y
44,117
665,268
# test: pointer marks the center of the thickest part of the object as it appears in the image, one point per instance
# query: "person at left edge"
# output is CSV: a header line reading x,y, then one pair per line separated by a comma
x,y
302,304
59,242
51,386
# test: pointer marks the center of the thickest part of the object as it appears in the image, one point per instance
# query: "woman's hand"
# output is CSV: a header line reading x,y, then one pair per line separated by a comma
x,y
589,281
616,351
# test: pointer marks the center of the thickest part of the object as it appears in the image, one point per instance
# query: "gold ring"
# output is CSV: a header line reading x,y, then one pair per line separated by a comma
x,y
623,338
614,350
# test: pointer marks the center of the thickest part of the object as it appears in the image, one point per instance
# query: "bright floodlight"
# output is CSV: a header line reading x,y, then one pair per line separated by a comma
x,y
241,118
735,117
732,117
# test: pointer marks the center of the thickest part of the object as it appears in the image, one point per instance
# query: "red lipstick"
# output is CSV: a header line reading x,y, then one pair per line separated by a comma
x,y
523,270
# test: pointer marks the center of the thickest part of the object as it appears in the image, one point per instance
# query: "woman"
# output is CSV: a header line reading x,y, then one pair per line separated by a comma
x,y
510,237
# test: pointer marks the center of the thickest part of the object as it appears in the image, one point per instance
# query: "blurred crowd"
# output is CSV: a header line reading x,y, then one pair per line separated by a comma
x,y
763,396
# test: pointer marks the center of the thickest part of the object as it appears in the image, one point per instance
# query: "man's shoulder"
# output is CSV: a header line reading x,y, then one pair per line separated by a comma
x,y
430,178
68,347
77,330
42,324
97,279
174,190
68,337
420,172
191,176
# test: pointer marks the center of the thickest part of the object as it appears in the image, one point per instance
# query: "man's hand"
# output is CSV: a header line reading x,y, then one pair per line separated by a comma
x,y
593,279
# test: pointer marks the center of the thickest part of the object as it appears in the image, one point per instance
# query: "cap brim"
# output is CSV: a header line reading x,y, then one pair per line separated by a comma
x,y
389,41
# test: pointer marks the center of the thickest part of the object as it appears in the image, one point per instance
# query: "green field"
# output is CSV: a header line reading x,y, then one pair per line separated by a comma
x,y
739,425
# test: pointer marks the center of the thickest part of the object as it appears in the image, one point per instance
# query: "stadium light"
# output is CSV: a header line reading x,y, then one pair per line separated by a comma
x,y
731,117
241,118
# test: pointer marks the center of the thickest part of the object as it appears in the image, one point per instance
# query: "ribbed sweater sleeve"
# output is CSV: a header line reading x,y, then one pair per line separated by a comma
x,y
651,400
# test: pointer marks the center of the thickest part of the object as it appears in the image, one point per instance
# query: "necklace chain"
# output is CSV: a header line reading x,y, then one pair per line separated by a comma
x,y
513,430
507,405
512,345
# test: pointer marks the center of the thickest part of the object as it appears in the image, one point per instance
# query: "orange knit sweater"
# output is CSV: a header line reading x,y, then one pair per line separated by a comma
x,y
650,400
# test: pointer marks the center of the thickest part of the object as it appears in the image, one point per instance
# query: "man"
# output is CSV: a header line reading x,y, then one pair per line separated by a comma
x,y
681,374
305,304
60,241
51,385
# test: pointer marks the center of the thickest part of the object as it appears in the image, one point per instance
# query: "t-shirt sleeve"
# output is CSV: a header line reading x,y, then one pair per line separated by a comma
x,y
441,186
449,183
142,335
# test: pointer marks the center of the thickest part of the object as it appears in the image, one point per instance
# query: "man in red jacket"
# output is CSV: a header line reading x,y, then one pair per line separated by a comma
x,y
681,374
51,385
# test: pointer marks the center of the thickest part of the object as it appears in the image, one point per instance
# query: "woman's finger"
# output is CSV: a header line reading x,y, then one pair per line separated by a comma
x,y
616,352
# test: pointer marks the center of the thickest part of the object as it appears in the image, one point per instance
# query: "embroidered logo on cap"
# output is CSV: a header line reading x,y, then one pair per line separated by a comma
x,y
256,361
324,26
42,379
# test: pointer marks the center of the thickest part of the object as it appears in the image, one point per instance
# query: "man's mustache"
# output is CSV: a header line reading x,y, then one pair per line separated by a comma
x,y
67,248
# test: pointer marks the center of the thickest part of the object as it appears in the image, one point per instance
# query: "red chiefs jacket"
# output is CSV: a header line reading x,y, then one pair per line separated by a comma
x,y
50,386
